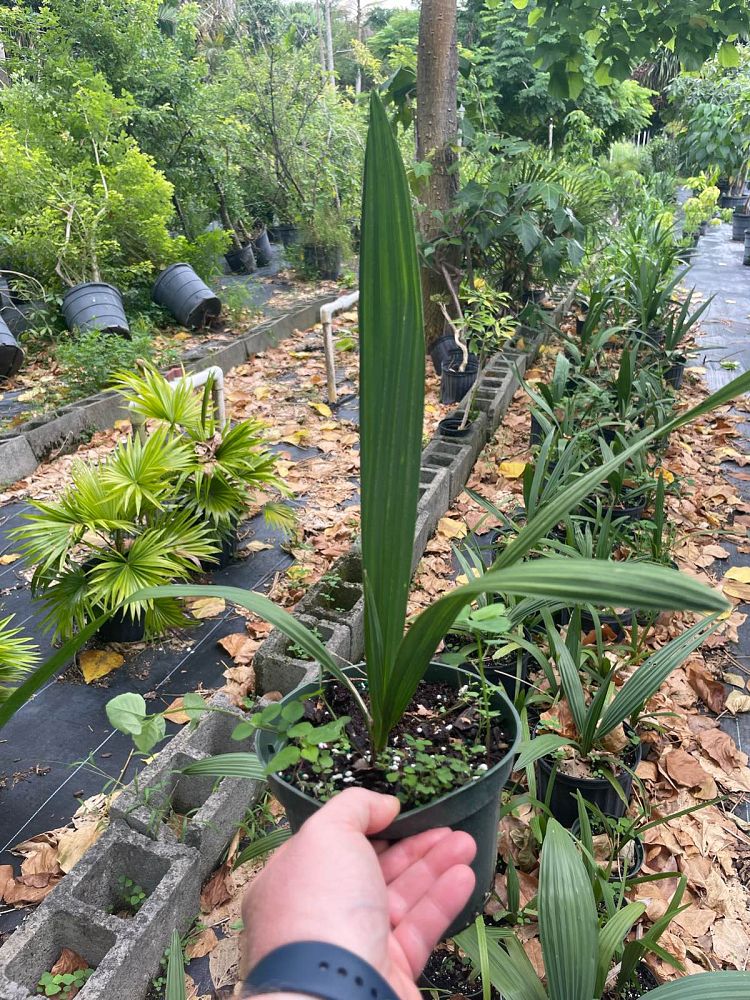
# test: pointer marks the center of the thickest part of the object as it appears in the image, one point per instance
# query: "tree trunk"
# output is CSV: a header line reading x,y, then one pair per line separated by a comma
x,y
358,78
321,40
437,132
329,42
4,78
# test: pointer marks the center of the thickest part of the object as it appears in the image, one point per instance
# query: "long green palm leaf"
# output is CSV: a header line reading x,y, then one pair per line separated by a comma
x,y
567,918
705,986
391,398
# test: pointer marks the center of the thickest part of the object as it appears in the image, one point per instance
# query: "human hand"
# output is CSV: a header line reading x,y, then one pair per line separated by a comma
x,y
388,903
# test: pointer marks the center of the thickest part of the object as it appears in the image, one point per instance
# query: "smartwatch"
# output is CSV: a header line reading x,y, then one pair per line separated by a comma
x,y
317,969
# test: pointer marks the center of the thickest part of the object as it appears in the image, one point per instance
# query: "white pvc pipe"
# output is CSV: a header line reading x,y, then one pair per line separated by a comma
x,y
327,312
196,379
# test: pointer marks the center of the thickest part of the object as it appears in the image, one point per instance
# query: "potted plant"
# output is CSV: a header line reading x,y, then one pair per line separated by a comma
x,y
298,736
116,525
325,240
579,952
678,324
483,325
229,465
18,654
588,743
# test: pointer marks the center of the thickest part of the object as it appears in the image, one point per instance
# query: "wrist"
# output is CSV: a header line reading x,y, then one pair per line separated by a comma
x,y
277,996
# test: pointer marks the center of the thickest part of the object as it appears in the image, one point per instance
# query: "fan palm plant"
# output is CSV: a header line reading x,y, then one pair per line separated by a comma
x,y
230,463
578,953
116,529
18,654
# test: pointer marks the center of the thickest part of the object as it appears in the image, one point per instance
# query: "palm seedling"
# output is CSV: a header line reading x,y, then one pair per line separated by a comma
x,y
579,952
18,654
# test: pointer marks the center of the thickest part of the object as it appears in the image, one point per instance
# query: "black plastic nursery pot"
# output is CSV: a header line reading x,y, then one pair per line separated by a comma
x,y
225,555
324,261
732,201
186,296
95,305
631,870
450,427
615,623
11,354
561,792
442,351
241,260
740,225
674,375
746,254
510,673
285,233
454,383
443,976
473,808
261,245
121,627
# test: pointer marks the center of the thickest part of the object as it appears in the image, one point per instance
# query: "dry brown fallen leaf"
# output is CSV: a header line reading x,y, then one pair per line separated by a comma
x,y
69,961
239,646
217,890
96,663
711,692
683,768
737,702
224,962
174,712
203,944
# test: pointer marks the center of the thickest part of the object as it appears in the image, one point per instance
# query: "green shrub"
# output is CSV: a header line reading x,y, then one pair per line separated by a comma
x,y
88,360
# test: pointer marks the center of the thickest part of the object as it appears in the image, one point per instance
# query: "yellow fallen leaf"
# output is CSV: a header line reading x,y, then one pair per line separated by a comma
x,y
512,470
664,472
296,437
122,425
737,680
330,425
449,528
174,713
95,663
430,408
207,607
9,557
73,844
262,392
733,588
323,409
737,702
256,546
741,573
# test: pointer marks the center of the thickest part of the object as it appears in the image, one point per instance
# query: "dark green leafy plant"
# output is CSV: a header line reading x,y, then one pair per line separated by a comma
x,y
64,984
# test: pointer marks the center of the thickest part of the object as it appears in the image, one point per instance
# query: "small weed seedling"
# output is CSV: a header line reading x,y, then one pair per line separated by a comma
x,y
298,653
132,895
64,985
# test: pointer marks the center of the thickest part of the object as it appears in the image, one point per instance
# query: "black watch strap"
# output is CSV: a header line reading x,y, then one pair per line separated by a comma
x,y
318,969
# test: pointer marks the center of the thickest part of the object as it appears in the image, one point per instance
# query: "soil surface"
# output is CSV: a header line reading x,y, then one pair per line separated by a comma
x,y
645,982
437,715
450,977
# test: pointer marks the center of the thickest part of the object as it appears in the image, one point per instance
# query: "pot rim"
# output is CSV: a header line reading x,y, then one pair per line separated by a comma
x,y
594,782
408,814
90,285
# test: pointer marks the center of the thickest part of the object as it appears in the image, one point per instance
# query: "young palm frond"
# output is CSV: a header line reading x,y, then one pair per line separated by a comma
x,y
139,473
151,395
18,654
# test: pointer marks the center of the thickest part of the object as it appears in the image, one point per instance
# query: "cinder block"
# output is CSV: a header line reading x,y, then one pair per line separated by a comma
x,y
342,602
453,456
422,531
516,359
226,358
209,809
17,460
278,667
213,733
434,492
106,943
55,433
101,412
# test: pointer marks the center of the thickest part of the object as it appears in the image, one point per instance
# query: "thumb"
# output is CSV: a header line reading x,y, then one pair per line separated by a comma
x,y
358,810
